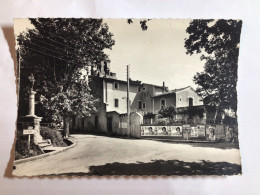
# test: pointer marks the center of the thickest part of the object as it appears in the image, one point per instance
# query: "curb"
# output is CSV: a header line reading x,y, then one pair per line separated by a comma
x,y
182,141
16,162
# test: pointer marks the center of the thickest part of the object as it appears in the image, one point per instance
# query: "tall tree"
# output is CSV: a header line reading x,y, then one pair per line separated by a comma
x,y
218,41
59,53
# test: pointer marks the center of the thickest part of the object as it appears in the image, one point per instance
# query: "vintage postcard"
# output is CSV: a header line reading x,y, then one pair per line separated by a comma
x,y
127,97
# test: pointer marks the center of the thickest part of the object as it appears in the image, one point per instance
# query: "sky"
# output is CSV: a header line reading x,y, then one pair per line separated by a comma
x,y
154,56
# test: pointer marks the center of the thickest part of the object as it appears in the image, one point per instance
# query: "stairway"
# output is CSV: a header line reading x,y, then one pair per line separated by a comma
x,y
45,146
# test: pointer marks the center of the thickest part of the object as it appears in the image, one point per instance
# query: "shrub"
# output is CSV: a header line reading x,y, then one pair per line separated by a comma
x,y
54,135
21,147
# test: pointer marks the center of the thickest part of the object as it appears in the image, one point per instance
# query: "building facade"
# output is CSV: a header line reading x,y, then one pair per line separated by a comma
x,y
143,98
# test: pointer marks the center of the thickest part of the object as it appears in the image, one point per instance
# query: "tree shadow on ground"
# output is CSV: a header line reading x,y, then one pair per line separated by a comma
x,y
218,145
162,167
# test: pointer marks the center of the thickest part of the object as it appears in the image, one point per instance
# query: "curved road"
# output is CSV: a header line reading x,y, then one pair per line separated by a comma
x,y
92,150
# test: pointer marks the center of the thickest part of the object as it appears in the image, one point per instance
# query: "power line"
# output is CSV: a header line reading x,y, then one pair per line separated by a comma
x,y
46,43
62,49
48,54
138,70
139,62
145,62
53,34
54,51
55,40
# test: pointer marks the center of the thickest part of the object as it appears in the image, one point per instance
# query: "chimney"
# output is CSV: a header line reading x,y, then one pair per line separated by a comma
x,y
163,86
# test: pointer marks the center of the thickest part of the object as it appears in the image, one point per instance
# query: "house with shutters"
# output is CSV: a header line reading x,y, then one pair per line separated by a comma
x,y
143,98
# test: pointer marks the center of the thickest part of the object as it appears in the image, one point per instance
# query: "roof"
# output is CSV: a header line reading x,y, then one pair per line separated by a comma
x,y
131,82
153,85
171,91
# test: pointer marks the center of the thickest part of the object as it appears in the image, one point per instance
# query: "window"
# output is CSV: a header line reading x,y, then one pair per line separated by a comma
x,y
139,89
116,85
116,102
190,101
180,99
139,106
144,105
163,103
144,88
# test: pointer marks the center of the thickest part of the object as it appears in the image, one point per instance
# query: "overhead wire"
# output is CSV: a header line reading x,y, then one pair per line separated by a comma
x,y
54,40
145,70
54,51
48,54
58,37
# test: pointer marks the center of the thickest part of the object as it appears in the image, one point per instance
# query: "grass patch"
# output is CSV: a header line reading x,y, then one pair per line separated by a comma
x,y
21,147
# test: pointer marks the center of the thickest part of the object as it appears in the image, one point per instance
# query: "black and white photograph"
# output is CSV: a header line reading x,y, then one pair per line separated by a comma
x,y
127,97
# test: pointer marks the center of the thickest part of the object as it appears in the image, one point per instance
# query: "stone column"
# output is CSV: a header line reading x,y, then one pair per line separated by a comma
x,y
32,103
32,120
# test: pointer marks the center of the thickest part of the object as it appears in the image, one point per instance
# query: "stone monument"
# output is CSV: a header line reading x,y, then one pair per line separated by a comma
x,y
31,120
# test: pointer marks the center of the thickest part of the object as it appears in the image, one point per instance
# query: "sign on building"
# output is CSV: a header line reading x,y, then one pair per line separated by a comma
x,y
198,131
175,131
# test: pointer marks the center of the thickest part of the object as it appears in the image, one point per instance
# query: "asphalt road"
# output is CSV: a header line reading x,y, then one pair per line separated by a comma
x,y
101,155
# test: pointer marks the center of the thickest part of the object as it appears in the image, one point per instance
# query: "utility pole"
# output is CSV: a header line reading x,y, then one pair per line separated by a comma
x,y
127,101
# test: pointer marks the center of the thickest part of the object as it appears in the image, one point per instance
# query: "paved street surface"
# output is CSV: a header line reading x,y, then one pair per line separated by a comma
x,y
101,155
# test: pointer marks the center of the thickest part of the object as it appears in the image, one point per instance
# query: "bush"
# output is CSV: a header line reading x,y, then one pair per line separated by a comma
x,y
21,147
54,135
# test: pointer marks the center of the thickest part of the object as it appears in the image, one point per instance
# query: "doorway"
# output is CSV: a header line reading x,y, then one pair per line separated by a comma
x,y
109,124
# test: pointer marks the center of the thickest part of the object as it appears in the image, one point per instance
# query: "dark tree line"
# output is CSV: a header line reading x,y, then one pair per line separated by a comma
x,y
59,53
218,42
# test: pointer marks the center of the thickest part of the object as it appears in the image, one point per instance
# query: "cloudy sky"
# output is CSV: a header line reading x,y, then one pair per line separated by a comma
x,y
155,55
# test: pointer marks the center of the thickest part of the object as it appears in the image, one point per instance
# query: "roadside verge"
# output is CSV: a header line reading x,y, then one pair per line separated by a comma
x,y
16,162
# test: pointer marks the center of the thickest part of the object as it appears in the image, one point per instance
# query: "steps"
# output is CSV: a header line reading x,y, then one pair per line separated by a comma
x,y
45,146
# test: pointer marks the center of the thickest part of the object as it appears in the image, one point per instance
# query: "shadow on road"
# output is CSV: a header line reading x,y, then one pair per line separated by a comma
x,y
219,145
161,167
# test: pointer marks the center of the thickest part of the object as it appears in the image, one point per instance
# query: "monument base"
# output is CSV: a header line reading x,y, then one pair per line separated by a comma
x,y
34,122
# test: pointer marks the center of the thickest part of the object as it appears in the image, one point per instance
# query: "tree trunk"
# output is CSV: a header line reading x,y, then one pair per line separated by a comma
x,y
66,127
217,117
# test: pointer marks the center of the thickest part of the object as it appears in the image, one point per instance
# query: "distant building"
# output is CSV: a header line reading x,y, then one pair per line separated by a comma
x,y
144,98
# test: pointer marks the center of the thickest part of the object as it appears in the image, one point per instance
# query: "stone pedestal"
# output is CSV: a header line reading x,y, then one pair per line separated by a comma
x,y
34,122
31,120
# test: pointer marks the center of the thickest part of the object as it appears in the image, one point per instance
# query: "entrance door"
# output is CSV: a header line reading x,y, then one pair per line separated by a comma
x,y
109,124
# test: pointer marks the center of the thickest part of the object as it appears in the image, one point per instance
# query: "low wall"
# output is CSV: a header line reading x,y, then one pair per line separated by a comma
x,y
136,120
188,132
120,126
154,130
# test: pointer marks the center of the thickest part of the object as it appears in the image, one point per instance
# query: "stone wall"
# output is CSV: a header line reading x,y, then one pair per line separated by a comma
x,y
135,124
120,94
182,98
169,98
120,127
220,133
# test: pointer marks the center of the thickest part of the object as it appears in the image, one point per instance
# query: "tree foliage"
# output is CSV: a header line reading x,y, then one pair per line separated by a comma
x,y
218,42
169,111
143,23
59,53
